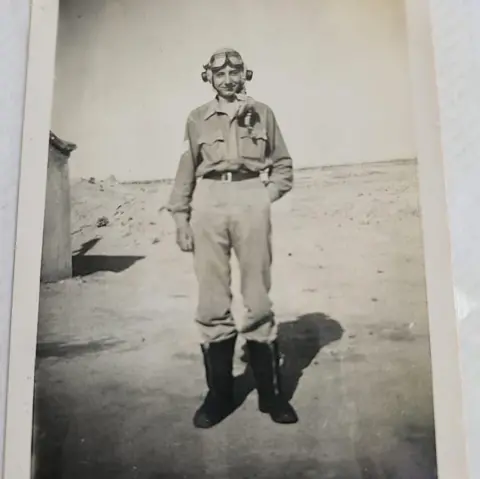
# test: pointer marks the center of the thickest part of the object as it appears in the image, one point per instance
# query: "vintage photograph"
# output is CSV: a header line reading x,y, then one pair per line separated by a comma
x,y
232,280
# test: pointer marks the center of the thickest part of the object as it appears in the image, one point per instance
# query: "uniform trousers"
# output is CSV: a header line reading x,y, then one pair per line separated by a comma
x,y
233,217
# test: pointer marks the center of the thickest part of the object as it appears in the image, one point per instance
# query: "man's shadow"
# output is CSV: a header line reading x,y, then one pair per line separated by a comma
x,y
299,342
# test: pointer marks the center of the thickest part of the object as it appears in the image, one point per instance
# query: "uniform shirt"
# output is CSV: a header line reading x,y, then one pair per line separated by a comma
x,y
216,142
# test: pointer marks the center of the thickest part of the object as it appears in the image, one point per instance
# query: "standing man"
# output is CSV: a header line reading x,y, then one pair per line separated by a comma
x,y
219,204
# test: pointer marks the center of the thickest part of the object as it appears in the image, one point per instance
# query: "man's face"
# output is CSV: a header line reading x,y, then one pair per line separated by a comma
x,y
227,81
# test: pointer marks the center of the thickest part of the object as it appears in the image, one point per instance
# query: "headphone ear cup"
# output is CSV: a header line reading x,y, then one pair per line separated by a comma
x,y
249,75
204,76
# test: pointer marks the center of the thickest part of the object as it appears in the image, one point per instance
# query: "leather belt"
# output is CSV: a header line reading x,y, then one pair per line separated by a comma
x,y
231,175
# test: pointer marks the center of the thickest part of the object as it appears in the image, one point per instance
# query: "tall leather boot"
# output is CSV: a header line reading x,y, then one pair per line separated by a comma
x,y
265,364
219,402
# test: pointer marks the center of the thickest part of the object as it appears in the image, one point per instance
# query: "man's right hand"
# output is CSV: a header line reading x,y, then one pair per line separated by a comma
x,y
185,237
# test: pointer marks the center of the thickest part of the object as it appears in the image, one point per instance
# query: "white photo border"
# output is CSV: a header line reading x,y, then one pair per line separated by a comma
x,y
38,99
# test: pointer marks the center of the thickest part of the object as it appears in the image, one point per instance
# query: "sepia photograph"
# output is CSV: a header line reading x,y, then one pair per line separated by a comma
x,y
233,281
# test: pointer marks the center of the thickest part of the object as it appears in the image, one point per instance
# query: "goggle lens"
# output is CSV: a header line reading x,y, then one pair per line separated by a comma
x,y
219,60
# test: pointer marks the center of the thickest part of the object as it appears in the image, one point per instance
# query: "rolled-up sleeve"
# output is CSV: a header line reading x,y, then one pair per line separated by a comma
x,y
281,173
179,204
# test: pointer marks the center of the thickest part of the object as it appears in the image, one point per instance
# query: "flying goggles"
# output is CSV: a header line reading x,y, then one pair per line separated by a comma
x,y
222,59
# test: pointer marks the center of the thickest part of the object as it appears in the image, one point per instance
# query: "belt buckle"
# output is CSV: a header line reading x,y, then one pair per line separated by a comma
x,y
227,176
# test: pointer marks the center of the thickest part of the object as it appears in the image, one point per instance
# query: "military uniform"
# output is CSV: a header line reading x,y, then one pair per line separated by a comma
x,y
219,192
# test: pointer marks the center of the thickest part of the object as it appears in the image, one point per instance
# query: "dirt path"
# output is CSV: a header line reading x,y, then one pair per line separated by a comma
x,y
119,371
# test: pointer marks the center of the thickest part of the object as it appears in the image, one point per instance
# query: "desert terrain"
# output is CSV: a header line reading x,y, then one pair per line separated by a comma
x,y
119,370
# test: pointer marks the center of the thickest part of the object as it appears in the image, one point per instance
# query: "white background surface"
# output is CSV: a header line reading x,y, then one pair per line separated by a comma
x,y
457,53
14,24
39,40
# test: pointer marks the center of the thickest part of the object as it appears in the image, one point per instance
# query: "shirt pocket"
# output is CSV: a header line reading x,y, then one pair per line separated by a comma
x,y
253,146
212,145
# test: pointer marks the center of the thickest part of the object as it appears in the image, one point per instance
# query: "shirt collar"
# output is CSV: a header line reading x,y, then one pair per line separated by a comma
x,y
213,107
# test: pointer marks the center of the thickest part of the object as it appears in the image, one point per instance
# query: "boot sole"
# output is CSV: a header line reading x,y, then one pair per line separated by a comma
x,y
276,420
293,419
205,422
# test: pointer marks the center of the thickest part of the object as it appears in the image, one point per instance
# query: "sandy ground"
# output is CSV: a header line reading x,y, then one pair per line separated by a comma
x,y
119,370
